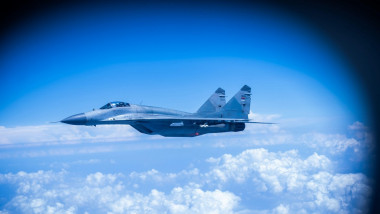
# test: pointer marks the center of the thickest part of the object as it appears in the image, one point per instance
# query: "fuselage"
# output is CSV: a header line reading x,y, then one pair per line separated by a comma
x,y
214,116
154,120
127,115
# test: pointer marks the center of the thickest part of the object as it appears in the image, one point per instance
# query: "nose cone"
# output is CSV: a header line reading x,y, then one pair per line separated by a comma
x,y
78,119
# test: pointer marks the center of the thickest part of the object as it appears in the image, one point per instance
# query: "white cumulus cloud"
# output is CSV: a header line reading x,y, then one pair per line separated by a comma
x,y
49,192
308,184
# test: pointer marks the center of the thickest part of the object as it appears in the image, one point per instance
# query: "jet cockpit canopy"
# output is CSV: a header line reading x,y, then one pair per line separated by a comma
x,y
115,104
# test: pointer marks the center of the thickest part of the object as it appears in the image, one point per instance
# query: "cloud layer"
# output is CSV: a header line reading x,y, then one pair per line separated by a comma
x,y
289,182
357,138
275,170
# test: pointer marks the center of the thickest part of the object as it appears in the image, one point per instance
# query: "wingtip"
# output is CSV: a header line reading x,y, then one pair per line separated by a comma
x,y
268,123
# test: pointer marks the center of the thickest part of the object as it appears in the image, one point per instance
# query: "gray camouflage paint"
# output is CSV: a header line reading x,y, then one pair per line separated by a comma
x,y
214,116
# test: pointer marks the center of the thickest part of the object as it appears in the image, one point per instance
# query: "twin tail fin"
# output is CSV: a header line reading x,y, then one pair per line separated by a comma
x,y
239,105
215,103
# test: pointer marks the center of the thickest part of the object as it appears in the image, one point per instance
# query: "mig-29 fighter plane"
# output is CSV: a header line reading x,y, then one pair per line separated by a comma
x,y
214,116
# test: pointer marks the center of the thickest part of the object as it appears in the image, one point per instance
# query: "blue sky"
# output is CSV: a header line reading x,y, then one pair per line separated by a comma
x,y
70,61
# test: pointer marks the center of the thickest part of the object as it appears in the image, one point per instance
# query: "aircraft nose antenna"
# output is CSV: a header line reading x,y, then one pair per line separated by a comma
x,y
77,119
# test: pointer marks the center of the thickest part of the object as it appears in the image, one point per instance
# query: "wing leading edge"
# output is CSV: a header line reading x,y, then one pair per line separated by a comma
x,y
194,119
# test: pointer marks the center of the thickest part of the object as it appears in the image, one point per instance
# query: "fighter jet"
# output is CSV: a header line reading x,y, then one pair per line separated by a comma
x,y
214,116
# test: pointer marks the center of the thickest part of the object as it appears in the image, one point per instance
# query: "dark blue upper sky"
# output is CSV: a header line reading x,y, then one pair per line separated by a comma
x,y
75,59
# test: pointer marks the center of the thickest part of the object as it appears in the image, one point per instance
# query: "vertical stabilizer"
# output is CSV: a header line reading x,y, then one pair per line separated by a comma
x,y
215,103
239,105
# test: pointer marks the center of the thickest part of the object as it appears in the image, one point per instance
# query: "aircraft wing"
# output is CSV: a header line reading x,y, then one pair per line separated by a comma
x,y
196,119
199,120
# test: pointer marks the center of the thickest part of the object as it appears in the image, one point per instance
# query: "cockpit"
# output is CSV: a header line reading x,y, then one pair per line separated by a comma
x,y
115,104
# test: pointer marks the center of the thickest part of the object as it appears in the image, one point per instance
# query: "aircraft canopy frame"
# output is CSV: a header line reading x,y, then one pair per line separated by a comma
x,y
115,104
